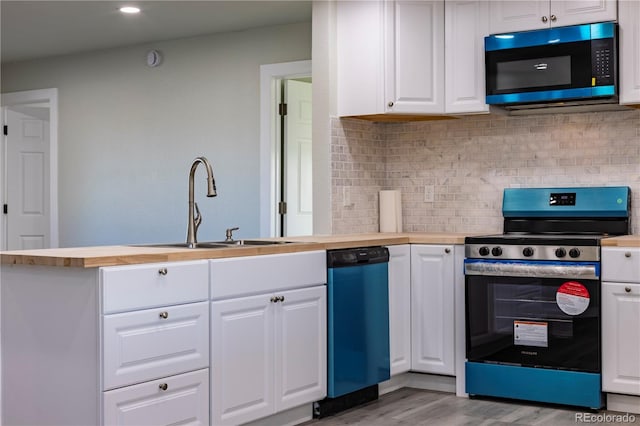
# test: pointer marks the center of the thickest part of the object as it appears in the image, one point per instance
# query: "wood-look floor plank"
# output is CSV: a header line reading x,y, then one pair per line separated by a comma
x,y
416,407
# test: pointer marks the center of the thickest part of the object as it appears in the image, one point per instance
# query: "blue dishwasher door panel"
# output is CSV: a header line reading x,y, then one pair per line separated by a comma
x,y
358,327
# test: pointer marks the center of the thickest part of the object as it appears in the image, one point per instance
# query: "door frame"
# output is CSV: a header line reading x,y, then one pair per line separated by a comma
x,y
269,139
28,97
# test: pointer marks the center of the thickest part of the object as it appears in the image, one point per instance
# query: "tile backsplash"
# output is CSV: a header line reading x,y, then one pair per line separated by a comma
x,y
451,173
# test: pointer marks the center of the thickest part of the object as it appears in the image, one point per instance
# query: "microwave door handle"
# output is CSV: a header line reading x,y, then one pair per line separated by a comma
x,y
541,66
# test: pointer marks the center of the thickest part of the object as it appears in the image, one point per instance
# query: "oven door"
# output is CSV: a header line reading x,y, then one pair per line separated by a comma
x,y
536,314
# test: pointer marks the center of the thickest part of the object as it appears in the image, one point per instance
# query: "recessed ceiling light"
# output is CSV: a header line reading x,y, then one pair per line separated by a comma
x,y
130,9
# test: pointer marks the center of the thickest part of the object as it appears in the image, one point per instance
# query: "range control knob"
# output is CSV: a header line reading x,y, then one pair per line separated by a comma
x,y
574,252
527,252
560,252
484,251
496,251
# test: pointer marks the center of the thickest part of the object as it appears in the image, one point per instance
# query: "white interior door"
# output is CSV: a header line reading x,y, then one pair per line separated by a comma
x,y
28,177
298,164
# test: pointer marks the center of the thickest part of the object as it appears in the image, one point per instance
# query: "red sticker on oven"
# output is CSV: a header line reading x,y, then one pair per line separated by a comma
x,y
572,298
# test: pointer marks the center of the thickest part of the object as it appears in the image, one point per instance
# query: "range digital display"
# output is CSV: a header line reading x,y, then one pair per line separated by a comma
x,y
562,199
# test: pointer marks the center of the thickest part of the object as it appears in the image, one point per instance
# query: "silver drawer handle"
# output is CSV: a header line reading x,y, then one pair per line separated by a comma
x,y
627,289
163,386
164,315
627,254
163,271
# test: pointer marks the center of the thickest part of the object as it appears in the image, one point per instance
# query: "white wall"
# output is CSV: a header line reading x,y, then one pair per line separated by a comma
x,y
128,133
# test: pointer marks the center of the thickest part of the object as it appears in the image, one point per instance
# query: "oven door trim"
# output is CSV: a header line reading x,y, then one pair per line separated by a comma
x,y
536,269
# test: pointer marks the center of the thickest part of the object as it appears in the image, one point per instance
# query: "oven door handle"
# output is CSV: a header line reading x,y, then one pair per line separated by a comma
x,y
539,269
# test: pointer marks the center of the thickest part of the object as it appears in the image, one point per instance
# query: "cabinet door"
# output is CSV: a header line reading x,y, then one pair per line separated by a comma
x,y
432,316
400,308
301,349
144,345
242,359
575,12
359,57
182,399
466,26
621,338
629,52
515,15
414,56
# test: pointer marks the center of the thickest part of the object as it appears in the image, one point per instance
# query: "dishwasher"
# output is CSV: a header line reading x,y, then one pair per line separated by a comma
x,y
357,327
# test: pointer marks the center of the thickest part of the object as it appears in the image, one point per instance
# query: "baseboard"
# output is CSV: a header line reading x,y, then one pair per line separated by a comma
x,y
623,403
423,381
293,416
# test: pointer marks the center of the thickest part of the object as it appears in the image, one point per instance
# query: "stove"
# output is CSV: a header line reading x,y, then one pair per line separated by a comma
x,y
532,295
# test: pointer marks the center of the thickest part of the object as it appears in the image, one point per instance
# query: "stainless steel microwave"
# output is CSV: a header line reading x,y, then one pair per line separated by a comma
x,y
552,65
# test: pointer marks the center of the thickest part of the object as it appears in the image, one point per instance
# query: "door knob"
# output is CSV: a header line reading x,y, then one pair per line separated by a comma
x,y
544,19
553,18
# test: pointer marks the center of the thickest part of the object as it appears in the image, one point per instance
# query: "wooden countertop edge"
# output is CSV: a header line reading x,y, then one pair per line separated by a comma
x,y
93,257
621,241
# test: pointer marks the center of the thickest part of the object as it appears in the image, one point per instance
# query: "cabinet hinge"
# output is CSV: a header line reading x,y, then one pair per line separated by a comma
x,y
5,209
282,207
282,109
5,130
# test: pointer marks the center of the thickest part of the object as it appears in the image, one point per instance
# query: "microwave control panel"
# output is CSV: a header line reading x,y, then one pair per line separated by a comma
x,y
602,62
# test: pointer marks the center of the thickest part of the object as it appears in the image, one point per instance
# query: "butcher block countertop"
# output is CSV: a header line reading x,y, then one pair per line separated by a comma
x,y
93,257
622,241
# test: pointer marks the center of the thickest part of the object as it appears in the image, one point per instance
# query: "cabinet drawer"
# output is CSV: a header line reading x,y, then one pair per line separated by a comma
x,y
621,264
181,399
144,345
130,287
243,276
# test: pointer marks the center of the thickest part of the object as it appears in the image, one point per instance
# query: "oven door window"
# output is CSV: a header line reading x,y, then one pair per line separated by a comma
x,y
536,322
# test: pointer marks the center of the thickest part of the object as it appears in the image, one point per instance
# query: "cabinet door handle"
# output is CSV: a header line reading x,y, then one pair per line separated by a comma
x,y
627,289
447,250
281,298
163,386
164,315
553,18
390,104
627,254
274,299
163,271
544,19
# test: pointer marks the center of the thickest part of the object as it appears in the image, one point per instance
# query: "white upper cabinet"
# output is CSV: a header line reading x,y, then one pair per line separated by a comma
x,y
414,57
466,25
391,57
629,52
514,15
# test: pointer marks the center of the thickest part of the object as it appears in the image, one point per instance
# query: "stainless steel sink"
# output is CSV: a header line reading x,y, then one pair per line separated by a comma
x,y
251,243
206,245
217,244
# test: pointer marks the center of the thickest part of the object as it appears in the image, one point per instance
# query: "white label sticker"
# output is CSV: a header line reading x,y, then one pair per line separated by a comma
x,y
529,333
572,298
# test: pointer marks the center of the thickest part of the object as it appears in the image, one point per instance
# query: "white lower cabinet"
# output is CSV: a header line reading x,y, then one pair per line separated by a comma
x,y
432,309
400,308
268,350
621,320
181,399
268,353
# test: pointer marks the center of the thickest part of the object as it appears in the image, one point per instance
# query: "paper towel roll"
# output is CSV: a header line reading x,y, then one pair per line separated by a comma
x,y
390,211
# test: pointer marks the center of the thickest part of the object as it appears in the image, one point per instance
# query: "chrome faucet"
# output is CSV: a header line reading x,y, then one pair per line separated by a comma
x,y
196,218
